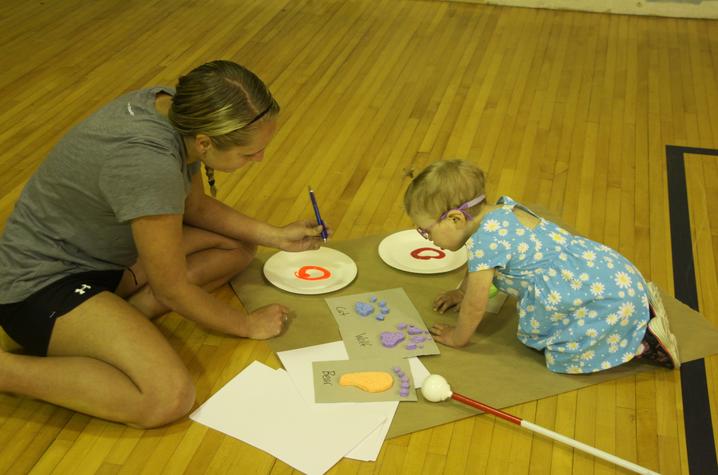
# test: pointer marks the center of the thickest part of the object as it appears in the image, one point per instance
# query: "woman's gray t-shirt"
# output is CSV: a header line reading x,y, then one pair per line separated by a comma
x,y
123,162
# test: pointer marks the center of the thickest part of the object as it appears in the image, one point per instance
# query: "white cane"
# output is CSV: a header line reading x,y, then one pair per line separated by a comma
x,y
436,389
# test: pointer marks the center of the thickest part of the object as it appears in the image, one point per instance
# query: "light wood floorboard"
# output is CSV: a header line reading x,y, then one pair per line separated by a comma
x,y
569,111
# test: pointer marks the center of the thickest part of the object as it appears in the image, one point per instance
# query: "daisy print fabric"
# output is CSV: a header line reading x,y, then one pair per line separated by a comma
x,y
579,301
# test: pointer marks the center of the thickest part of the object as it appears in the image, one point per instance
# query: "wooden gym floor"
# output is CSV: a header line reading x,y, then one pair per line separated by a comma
x,y
570,111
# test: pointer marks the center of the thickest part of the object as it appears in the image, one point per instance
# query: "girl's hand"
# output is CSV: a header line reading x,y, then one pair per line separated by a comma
x,y
448,299
445,334
301,236
267,322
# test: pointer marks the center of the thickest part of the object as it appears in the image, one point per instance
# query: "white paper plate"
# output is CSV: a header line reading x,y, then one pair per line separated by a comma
x,y
284,269
396,250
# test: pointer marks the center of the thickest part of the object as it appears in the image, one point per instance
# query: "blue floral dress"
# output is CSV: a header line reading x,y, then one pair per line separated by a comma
x,y
580,302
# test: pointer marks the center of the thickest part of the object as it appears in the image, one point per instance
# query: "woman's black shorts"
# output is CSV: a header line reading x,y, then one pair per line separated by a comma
x,y
30,322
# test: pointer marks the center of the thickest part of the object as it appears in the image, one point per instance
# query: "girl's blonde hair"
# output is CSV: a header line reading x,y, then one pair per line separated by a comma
x,y
442,186
224,101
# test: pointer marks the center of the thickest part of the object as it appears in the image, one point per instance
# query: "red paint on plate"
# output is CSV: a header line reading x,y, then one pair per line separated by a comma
x,y
304,274
425,253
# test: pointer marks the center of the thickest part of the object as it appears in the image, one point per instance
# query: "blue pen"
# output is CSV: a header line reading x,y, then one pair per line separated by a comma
x,y
316,213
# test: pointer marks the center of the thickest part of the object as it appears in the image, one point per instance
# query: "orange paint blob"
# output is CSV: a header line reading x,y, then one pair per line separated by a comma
x,y
421,253
303,273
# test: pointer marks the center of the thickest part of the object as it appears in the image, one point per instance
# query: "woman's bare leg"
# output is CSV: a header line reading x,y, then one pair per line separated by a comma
x,y
212,260
107,360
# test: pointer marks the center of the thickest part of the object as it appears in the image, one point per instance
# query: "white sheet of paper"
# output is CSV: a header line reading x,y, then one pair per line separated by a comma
x,y
418,371
298,364
262,407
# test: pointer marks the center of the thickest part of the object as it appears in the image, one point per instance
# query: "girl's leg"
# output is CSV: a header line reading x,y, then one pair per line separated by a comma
x,y
212,260
107,360
659,344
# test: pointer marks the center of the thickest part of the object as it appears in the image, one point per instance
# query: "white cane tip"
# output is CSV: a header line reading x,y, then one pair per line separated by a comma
x,y
435,388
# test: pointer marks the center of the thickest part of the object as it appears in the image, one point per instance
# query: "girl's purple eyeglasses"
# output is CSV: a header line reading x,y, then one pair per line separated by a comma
x,y
426,232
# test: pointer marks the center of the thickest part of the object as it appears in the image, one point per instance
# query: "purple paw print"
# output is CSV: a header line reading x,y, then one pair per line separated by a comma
x,y
391,339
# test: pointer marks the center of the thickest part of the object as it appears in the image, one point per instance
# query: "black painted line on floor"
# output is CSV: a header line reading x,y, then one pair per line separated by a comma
x,y
694,386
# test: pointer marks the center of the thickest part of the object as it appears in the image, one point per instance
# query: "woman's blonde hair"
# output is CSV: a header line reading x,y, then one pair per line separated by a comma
x,y
442,186
222,100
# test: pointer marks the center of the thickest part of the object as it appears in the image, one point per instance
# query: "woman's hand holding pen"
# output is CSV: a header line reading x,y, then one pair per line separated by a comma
x,y
301,236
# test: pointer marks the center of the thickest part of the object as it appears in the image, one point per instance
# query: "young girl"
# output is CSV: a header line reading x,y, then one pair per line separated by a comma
x,y
581,303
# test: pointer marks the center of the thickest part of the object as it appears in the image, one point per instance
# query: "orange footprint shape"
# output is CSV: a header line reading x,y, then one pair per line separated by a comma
x,y
369,381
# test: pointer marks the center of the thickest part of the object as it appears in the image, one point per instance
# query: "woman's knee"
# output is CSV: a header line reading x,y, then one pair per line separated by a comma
x,y
167,403
198,239
220,262
249,249
241,256
240,247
